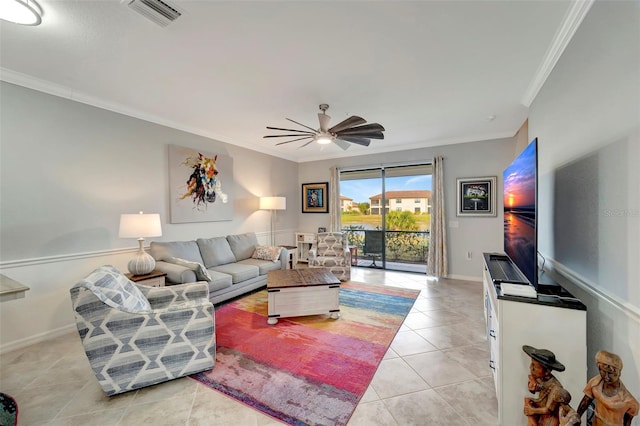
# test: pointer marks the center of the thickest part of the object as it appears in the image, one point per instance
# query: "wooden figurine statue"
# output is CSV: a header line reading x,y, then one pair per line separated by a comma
x,y
544,410
614,405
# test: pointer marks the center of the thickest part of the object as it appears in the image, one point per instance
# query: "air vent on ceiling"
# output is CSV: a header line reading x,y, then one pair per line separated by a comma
x,y
160,12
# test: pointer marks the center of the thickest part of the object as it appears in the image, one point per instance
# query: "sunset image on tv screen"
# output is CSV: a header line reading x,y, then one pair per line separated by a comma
x,y
520,212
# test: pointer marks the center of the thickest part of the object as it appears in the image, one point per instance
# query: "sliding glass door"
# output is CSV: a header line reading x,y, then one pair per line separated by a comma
x,y
386,214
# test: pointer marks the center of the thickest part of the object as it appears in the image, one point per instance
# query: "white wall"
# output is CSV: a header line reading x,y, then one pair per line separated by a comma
x,y
475,234
67,172
587,120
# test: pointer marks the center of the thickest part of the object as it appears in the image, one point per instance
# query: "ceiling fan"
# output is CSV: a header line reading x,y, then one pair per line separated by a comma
x,y
351,130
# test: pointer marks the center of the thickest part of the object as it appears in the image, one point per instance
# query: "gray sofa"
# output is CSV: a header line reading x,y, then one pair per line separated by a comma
x,y
231,269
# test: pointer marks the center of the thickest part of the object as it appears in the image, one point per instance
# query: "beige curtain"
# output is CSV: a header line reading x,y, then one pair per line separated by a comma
x,y
334,201
437,256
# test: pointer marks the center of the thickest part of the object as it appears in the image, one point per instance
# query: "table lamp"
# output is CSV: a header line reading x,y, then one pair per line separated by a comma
x,y
273,204
139,226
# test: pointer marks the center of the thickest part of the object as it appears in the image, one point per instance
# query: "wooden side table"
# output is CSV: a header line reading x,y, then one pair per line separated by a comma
x,y
153,279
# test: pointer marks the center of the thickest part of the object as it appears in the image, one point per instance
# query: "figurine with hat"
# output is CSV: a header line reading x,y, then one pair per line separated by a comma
x,y
544,410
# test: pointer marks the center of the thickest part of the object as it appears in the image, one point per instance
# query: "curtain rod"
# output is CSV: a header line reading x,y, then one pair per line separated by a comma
x,y
386,165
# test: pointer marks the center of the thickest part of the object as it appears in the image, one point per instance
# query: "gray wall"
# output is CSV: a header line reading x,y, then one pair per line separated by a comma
x,y
586,118
67,172
475,234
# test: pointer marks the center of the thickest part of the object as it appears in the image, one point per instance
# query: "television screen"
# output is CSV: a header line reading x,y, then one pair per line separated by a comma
x,y
520,198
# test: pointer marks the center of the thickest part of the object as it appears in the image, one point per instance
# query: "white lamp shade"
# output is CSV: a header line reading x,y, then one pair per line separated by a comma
x,y
273,203
140,225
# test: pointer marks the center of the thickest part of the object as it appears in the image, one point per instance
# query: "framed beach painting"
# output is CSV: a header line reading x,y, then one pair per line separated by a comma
x,y
476,196
201,185
315,197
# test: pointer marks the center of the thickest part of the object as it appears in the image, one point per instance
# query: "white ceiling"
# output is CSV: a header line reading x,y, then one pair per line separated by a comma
x,y
431,72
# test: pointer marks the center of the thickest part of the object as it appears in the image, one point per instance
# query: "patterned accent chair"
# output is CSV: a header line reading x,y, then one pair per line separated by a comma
x,y
136,335
331,252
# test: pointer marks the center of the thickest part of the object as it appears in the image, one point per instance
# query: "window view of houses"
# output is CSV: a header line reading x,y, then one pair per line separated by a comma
x,y
406,205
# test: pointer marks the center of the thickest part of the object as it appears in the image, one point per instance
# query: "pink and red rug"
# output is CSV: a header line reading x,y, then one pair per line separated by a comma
x,y
308,370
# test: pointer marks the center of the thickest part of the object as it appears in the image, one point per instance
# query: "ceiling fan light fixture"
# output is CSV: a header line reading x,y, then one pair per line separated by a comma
x,y
23,12
324,139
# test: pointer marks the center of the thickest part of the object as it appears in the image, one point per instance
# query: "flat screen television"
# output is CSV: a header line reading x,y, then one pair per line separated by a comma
x,y
520,211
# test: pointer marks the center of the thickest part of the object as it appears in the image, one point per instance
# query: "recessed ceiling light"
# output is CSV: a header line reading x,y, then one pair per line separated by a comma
x,y
24,12
491,118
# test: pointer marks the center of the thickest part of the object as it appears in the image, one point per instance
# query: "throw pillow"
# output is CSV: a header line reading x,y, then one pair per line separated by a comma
x,y
201,272
267,253
113,288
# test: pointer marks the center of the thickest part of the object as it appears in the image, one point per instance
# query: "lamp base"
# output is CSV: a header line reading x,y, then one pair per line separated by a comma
x,y
143,263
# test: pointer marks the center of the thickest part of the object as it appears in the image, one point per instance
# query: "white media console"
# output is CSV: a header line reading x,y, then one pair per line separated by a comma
x,y
553,320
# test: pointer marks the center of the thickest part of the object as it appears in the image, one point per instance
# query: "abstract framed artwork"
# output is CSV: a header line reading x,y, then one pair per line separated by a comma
x,y
476,196
201,185
315,197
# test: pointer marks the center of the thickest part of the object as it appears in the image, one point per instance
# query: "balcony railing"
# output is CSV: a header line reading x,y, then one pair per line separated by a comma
x,y
400,246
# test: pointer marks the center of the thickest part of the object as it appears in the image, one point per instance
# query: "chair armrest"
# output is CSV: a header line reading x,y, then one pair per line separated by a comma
x,y
176,273
181,295
284,258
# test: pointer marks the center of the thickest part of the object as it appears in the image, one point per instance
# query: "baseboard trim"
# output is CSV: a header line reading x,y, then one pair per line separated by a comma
x,y
464,277
38,338
631,311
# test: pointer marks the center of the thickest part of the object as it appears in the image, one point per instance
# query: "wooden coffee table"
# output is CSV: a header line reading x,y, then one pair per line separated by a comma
x,y
299,292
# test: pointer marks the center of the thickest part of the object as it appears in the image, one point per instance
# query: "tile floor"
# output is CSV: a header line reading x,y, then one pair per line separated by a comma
x,y
435,373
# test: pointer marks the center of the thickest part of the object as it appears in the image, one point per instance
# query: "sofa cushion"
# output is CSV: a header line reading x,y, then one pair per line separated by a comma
x,y
201,273
215,251
218,281
239,272
187,250
243,245
263,265
267,253
114,289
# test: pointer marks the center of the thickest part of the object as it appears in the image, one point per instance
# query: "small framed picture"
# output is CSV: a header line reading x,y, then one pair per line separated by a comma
x,y
476,196
315,197
322,229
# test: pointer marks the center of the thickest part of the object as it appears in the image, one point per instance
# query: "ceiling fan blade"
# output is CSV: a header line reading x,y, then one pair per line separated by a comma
x,y
291,130
368,135
324,121
306,135
302,146
300,124
359,141
354,120
342,144
367,128
294,140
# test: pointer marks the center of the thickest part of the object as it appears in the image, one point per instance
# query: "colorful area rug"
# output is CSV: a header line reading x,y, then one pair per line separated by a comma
x,y
308,370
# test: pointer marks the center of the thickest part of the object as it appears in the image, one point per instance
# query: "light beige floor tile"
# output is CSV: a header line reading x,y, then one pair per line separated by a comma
x,y
369,396
99,418
474,358
40,404
372,414
473,400
174,411
213,408
423,408
92,398
395,377
438,369
409,343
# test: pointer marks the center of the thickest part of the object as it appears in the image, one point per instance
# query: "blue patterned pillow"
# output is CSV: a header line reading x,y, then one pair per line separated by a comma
x,y
113,288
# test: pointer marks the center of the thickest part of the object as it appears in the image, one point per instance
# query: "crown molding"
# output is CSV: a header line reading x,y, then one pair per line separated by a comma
x,y
61,91
572,20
